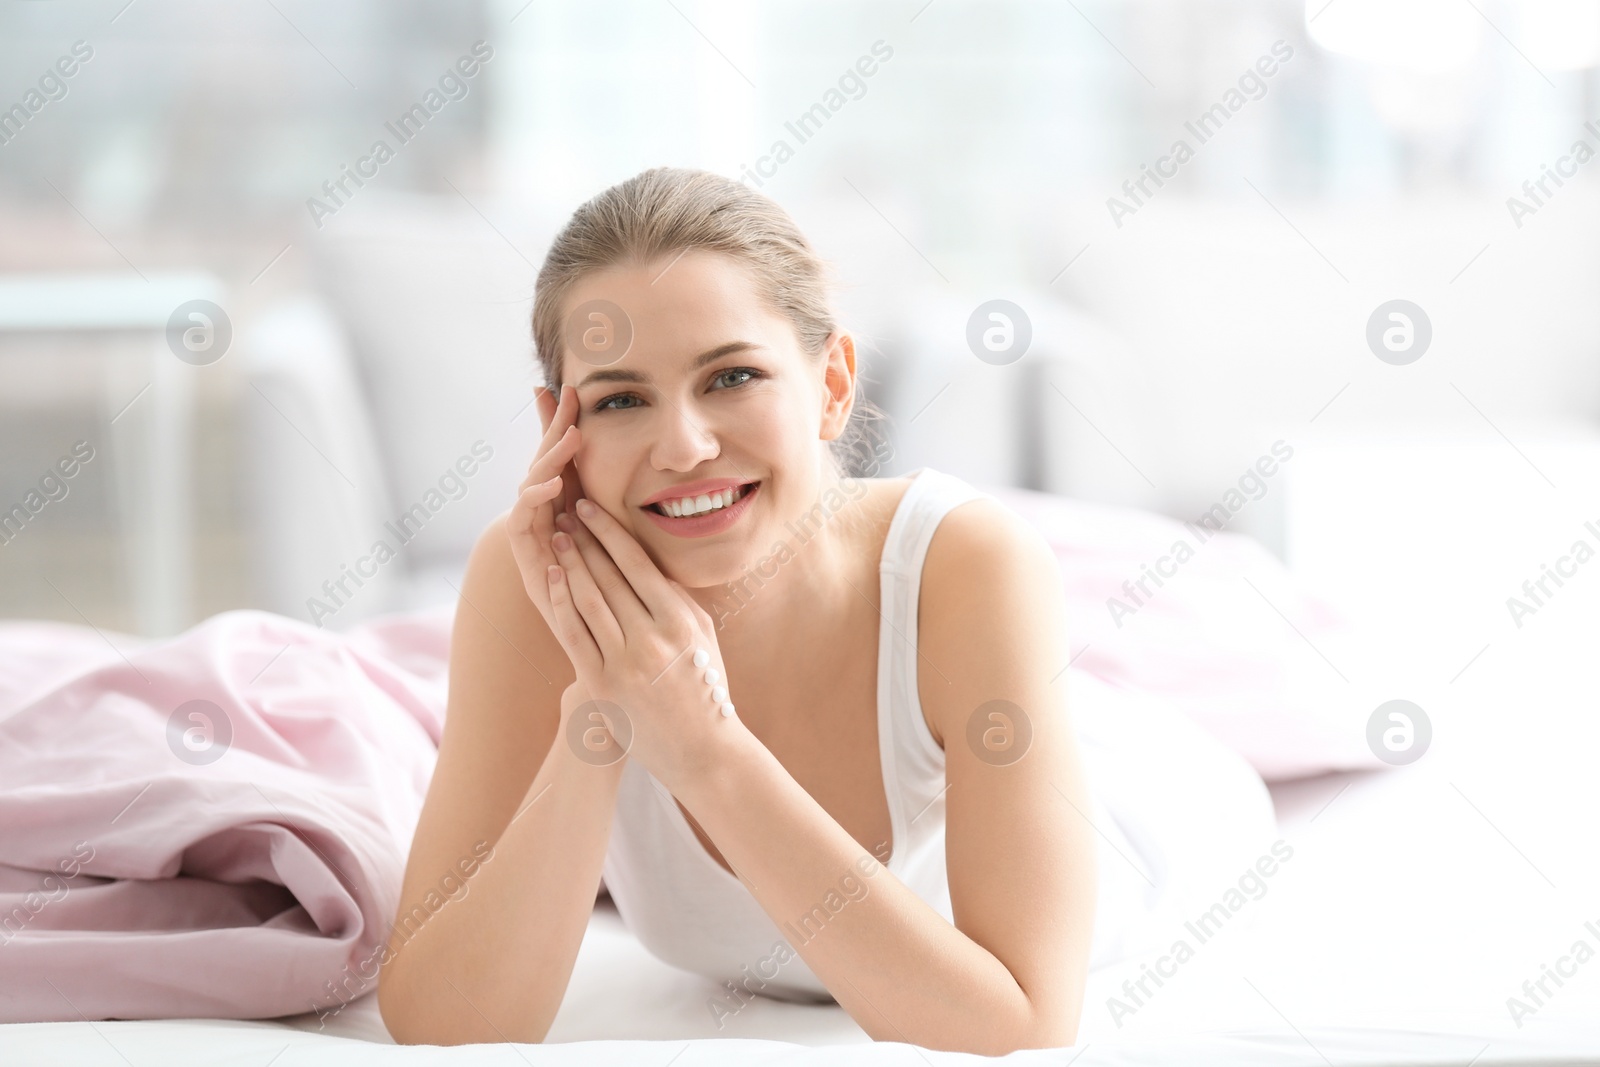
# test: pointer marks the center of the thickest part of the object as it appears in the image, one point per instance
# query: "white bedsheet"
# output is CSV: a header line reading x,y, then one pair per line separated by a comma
x,y
1417,901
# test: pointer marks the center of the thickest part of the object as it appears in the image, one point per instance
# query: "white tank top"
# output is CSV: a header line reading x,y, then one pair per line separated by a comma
x,y
690,912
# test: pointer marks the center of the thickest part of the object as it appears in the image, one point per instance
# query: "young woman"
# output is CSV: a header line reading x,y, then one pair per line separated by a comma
x,y
809,728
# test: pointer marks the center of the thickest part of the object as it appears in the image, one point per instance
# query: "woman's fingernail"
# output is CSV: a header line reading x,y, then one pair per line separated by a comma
x,y
553,574
585,508
562,541
564,522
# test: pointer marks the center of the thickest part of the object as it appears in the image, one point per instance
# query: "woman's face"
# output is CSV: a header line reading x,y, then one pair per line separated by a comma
x,y
712,396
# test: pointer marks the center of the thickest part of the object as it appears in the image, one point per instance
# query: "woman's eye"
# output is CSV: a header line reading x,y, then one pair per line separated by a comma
x,y
610,403
734,372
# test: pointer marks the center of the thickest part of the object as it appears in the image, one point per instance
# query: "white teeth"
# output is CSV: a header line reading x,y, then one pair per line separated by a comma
x,y
698,505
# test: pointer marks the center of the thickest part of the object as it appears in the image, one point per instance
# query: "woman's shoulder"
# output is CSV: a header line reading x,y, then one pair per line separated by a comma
x,y
494,609
972,528
970,520
492,569
980,542
885,493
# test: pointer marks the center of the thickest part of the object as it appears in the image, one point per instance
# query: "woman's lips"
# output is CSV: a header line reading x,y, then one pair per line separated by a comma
x,y
709,523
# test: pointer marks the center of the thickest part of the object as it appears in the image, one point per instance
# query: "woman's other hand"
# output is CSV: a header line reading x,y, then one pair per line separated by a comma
x,y
550,488
633,636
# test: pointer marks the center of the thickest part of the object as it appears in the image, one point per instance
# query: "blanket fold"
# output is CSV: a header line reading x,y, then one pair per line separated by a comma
x,y
211,825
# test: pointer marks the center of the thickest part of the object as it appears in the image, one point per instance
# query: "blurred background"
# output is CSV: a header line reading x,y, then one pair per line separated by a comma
x,y
262,344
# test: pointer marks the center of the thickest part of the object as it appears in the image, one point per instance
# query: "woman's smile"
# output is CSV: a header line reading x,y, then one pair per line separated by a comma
x,y
704,513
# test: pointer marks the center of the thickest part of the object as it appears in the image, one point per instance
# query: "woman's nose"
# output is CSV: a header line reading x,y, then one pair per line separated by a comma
x,y
684,442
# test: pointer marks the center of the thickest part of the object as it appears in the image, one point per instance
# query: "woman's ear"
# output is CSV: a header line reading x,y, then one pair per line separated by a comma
x,y
839,384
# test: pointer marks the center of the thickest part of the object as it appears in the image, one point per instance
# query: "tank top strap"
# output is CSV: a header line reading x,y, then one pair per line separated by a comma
x,y
913,761
929,496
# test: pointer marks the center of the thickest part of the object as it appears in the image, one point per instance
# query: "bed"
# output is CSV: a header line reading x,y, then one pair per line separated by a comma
x,y
1373,951
1410,917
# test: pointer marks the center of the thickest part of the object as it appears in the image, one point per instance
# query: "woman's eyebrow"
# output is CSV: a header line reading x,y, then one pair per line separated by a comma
x,y
711,356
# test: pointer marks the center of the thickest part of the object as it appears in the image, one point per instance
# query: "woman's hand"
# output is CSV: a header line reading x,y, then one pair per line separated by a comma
x,y
549,489
632,635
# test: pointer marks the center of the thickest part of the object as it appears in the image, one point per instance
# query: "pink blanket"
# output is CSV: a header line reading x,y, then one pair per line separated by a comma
x,y
214,825
1217,626
217,824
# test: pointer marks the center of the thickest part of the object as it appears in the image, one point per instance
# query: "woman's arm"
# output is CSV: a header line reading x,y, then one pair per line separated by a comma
x,y
492,963
1010,973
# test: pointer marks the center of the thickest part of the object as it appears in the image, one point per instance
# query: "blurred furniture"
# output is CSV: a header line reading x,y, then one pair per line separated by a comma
x,y
365,399
144,394
417,344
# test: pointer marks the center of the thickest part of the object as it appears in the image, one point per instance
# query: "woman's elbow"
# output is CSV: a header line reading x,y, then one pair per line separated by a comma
x,y
399,1015
1052,1028
1060,1035
421,1018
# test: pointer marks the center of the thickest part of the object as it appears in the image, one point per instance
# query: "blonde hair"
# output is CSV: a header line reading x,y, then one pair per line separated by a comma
x,y
666,211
